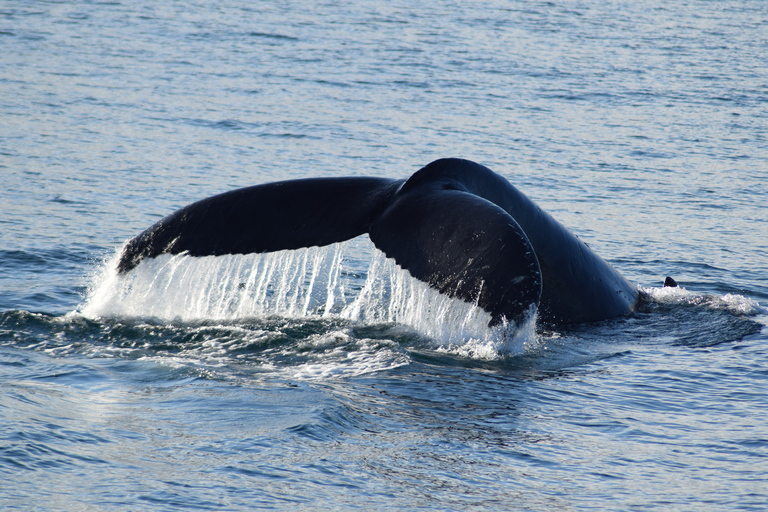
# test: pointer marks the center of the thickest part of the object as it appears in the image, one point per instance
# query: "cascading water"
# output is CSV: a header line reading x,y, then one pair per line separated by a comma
x,y
351,280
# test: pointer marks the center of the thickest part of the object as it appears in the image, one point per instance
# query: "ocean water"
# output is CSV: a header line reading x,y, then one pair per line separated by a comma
x,y
326,378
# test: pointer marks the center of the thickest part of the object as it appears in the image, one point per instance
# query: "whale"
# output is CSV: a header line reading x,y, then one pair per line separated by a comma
x,y
455,225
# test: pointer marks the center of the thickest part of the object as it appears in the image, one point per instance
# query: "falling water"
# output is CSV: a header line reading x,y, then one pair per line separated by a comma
x,y
351,280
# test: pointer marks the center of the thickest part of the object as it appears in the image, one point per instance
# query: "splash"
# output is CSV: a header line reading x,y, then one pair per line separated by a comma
x,y
351,280
732,303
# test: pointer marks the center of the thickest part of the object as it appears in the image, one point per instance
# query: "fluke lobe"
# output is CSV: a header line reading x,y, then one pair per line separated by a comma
x,y
454,224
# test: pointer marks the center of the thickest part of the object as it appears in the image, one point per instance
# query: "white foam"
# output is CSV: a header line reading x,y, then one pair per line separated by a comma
x,y
737,304
341,355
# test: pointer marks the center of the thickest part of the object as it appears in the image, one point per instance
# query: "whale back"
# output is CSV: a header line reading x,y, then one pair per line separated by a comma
x,y
578,285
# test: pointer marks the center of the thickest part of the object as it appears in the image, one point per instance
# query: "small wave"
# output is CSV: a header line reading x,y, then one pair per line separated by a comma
x,y
733,303
268,35
683,317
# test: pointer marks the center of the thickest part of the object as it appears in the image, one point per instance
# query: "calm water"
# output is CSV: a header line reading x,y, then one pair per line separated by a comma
x,y
642,126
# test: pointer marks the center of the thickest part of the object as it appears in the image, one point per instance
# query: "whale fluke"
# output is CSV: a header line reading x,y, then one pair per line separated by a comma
x,y
454,224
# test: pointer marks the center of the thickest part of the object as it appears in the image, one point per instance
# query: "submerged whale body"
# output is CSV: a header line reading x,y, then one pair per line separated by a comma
x,y
454,224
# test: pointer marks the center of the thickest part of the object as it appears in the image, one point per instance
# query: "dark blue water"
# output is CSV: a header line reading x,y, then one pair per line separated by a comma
x,y
642,127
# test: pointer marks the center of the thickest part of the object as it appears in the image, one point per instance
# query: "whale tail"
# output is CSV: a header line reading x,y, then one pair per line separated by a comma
x,y
454,224
457,242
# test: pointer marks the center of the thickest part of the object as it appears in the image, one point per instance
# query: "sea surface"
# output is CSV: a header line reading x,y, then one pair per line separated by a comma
x,y
326,378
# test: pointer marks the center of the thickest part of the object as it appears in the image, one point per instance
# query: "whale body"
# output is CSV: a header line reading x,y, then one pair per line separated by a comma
x,y
454,224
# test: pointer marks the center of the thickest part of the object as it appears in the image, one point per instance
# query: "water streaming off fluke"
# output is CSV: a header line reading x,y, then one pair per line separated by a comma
x,y
351,280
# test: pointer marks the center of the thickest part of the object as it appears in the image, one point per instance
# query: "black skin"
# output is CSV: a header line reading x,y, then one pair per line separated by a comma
x,y
454,224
